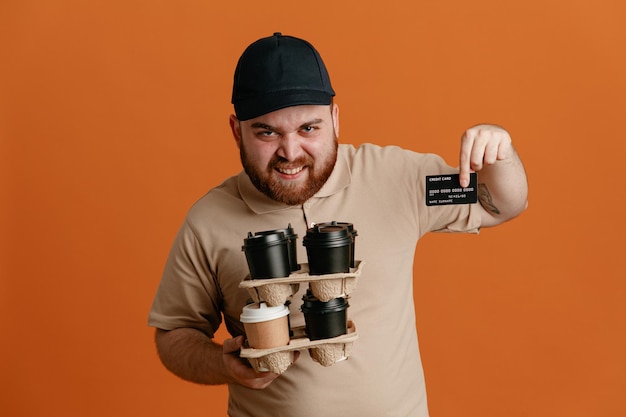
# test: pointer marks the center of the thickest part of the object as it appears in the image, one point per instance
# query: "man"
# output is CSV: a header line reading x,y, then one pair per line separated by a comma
x,y
286,127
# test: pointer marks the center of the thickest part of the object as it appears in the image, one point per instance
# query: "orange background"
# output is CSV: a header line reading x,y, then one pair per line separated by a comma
x,y
114,121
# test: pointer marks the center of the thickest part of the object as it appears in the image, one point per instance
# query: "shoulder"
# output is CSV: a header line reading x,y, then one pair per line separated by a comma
x,y
389,157
217,199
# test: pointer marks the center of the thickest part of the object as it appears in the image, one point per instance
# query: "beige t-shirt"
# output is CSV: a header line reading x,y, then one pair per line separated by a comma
x,y
380,190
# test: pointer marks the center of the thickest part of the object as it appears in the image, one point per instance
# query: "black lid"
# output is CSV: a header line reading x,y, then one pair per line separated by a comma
x,y
327,236
269,239
347,225
312,304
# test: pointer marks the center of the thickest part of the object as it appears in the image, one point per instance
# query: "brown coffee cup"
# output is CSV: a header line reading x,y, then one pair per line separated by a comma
x,y
266,327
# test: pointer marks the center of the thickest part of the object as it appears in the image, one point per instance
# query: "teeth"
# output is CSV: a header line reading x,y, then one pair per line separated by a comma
x,y
290,171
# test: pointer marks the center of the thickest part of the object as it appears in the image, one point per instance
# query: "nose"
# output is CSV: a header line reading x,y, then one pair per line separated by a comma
x,y
289,147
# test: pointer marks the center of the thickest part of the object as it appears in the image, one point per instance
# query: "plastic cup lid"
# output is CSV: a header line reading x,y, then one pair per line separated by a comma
x,y
264,240
347,225
257,312
327,236
312,304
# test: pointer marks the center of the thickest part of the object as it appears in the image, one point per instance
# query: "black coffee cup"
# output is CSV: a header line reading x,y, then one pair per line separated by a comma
x,y
324,320
352,232
328,249
291,247
267,255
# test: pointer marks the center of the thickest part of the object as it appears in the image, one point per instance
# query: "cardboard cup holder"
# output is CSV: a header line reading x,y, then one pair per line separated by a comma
x,y
324,351
276,291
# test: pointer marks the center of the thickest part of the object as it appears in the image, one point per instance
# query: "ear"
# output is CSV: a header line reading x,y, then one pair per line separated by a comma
x,y
335,113
235,127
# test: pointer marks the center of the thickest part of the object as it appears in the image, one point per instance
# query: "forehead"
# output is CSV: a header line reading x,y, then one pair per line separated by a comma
x,y
293,117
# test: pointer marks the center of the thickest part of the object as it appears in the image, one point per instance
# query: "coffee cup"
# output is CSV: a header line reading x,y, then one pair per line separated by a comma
x,y
328,248
291,246
267,255
324,320
266,327
352,232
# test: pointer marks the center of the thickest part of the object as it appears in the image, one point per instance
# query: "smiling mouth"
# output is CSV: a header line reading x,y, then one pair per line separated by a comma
x,y
290,171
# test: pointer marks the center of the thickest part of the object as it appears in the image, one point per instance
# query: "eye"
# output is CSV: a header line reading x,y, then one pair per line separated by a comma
x,y
308,129
265,133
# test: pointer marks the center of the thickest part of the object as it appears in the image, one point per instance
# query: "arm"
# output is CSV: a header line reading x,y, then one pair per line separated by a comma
x,y
502,183
193,356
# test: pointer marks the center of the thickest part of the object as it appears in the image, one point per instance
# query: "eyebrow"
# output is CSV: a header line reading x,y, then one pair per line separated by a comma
x,y
259,125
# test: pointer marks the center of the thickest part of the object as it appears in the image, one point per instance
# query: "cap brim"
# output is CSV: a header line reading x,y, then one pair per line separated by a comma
x,y
258,106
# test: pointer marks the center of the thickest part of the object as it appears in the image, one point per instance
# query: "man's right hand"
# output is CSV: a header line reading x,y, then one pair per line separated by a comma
x,y
240,370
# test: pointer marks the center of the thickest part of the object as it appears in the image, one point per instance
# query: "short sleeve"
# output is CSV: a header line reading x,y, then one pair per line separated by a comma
x,y
187,295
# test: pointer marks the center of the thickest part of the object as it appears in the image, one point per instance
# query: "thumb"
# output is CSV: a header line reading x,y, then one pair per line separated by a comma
x,y
232,345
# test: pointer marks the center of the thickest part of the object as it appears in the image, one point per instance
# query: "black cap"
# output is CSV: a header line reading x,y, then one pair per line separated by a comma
x,y
277,72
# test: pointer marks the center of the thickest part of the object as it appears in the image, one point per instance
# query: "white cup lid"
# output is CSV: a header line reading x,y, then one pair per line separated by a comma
x,y
254,313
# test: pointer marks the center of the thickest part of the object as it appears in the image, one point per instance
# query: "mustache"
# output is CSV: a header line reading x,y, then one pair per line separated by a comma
x,y
279,162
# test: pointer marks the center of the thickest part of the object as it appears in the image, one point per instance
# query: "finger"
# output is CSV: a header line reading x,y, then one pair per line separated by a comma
x,y
248,377
491,151
243,373
479,149
505,149
232,345
263,381
467,143
257,380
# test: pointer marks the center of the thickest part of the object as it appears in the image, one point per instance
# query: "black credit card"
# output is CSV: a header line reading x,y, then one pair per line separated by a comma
x,y
446,189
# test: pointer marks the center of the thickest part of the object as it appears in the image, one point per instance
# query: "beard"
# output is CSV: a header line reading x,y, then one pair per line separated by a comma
x,y
291,193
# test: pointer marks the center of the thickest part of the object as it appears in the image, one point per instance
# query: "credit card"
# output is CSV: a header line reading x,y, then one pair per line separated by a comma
x,y
446,189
